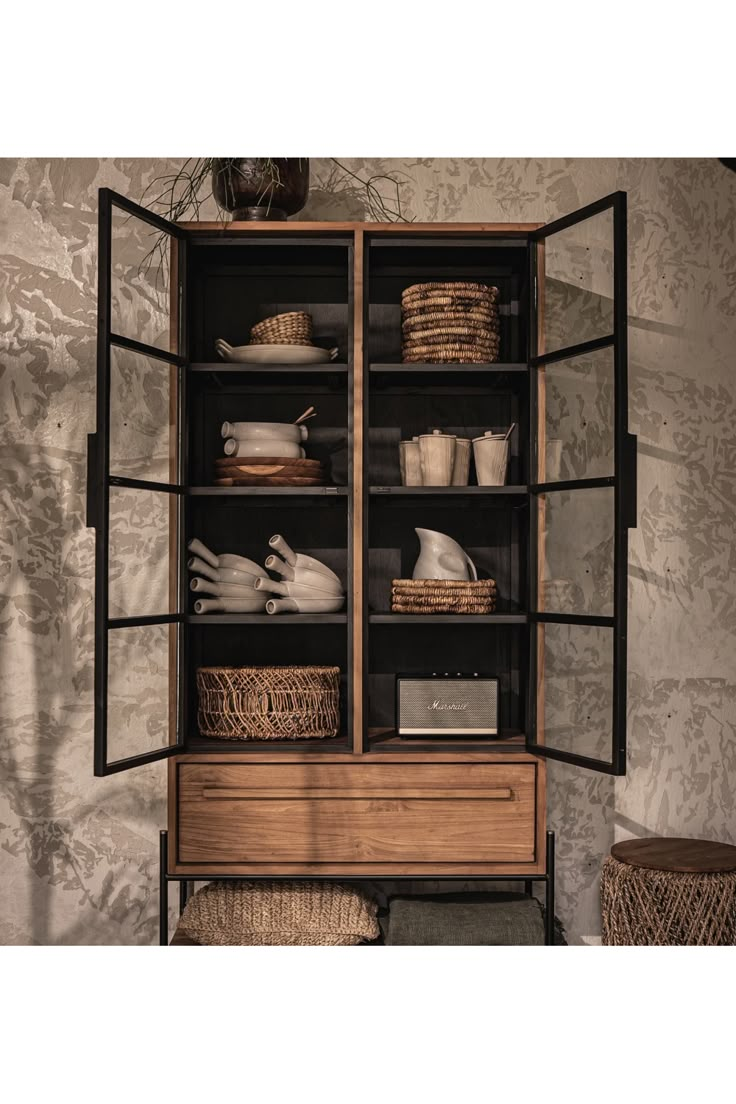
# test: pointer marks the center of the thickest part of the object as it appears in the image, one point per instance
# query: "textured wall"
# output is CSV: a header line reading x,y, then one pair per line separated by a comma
x,y
78,854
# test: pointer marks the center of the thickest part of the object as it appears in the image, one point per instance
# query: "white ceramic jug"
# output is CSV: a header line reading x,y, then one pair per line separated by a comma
x,y
441,557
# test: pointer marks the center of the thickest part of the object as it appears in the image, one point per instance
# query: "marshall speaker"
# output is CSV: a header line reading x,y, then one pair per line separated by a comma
x,y
446,705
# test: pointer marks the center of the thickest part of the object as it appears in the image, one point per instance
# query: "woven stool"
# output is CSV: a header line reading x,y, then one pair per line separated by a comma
x,y
669,893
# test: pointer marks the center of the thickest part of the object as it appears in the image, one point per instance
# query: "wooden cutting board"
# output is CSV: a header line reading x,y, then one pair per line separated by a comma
x,y
270,481
226,462
265,471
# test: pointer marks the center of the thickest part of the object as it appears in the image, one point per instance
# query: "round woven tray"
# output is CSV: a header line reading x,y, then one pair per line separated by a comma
x,y
444,586
441,356
268,703
448,606
447,287
450,318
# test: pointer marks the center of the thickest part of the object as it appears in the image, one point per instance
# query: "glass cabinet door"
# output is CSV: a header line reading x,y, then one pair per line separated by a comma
x,y
583,493
134,487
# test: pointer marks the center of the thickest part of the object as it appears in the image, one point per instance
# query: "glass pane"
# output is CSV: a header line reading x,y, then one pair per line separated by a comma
x,y
141,579
576,569
577,705
578,400
140,280
141,675
578,283
142,417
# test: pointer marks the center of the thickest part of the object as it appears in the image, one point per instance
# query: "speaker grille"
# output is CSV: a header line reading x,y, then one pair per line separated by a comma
x,y
453,707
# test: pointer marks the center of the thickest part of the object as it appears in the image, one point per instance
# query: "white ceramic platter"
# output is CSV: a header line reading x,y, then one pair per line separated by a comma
x,y
273,354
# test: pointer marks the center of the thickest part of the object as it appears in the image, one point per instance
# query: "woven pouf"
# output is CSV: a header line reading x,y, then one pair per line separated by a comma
x,y
669,893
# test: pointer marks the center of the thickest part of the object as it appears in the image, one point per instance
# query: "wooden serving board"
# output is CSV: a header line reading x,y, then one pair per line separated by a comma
x,y
268,470
261,461
270,481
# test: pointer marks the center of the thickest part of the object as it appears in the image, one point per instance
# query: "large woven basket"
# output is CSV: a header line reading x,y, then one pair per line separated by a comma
x,y
449,322
268,703
291,328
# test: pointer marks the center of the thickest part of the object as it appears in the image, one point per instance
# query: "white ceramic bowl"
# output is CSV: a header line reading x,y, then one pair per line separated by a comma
x,y
221,590
297,589
269,431
264,446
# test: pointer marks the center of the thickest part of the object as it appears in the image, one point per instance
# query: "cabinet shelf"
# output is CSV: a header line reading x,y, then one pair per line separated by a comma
x,y
448,369
286,620
302,492
229,368
329,746
453,492
387,739
448,618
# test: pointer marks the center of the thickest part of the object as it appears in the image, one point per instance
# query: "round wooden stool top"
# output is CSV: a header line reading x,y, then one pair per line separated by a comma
x,y
687,856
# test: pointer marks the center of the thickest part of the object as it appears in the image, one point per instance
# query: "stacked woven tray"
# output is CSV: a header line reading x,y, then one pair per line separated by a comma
x,y
442,323
443,596
292,328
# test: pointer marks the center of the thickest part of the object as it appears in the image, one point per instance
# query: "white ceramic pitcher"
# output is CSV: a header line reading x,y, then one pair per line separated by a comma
x,y
441,557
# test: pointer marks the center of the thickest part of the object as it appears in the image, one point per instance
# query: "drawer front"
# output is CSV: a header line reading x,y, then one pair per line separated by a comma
x,y
356,813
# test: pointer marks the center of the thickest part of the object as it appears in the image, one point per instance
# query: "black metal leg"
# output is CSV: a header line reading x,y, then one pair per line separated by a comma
x,y
549,903
163,891
528,887
183,895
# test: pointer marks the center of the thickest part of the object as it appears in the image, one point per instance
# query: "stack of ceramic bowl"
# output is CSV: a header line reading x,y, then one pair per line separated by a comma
x,y
306,585
445,323
267,454
230,582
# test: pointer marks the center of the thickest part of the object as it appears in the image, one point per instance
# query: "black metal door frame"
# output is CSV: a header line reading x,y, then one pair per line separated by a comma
x,y
623,483
99,479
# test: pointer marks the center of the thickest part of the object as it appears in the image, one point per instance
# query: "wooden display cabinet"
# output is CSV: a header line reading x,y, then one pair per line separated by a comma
x,y
366,803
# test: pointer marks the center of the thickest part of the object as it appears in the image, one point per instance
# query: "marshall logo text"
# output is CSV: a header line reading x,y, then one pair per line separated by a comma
x,y
437,704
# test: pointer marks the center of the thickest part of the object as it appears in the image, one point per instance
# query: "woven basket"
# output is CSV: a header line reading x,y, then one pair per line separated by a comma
x,y
293,327
285,914
268,703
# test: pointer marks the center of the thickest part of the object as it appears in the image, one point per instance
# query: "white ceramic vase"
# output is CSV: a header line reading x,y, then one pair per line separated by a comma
x,y
441,557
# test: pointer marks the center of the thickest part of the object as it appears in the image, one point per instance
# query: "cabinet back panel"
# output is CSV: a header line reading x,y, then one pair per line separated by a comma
x,y
210,406
417,649
213,645
234,287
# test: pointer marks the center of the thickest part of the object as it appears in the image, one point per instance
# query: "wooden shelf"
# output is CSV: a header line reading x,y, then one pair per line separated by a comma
x,y
387,739
323,492
286,620
448,618
202,745
267,369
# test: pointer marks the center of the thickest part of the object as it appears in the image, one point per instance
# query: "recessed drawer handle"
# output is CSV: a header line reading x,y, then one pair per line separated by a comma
x,y
235,793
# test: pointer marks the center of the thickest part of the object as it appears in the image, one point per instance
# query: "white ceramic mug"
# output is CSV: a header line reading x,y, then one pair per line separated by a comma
x,y
491,453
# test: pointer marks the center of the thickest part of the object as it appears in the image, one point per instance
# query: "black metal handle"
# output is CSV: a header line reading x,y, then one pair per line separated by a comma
x,y
629,476
93,481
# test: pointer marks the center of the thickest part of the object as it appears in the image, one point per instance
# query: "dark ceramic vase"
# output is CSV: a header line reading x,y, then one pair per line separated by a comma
x,y
254,190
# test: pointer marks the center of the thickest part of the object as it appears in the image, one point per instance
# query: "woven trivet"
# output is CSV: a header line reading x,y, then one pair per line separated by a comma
x,y
447,348
443,357
448,287
425,599
420,319
469,586
444,607
451,330
455,335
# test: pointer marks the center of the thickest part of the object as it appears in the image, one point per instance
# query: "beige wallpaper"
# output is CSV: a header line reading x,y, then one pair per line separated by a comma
x,y
78,854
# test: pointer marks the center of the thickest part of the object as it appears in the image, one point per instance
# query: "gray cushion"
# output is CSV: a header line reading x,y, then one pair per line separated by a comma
x,y
464,920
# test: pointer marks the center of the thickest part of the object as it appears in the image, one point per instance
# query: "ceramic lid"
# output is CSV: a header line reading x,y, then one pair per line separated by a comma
x,y
436,433
489,435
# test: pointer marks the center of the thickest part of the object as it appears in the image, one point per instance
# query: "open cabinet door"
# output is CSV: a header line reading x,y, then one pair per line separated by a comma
x,y
583,498
134,482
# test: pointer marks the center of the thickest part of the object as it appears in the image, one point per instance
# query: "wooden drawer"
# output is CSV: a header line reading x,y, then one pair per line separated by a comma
x,y
416,814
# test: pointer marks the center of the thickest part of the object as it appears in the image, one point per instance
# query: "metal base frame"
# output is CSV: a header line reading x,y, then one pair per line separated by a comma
x,y
184,881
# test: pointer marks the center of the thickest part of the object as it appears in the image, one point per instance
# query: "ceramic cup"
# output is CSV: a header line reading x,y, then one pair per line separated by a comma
x,y
491,453
437,454
410,463
461,466
552,460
